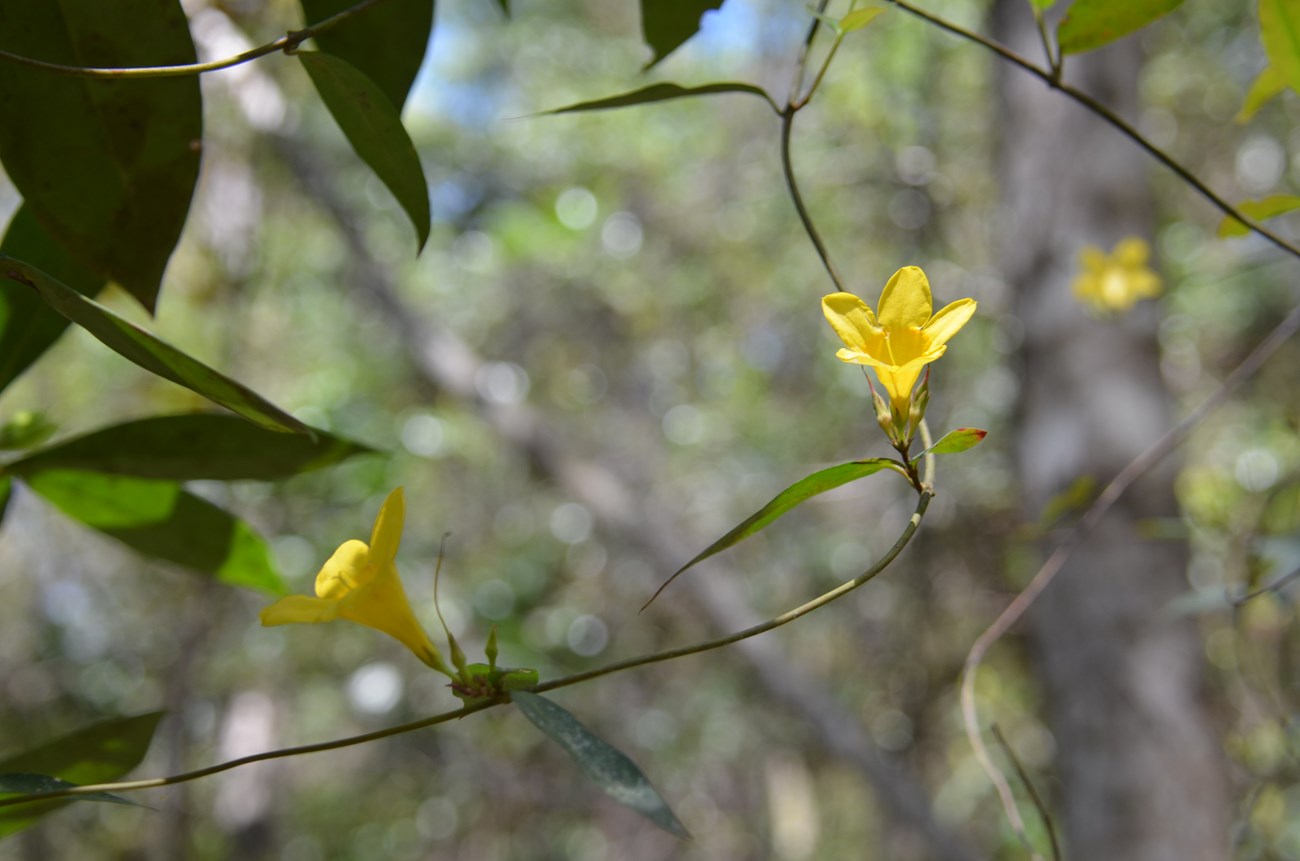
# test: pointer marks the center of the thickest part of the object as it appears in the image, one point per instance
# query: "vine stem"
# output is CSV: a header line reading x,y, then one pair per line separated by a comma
x,y
914,523
287,43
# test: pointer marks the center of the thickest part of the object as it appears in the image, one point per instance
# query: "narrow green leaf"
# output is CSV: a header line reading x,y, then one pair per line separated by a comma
x,y
955,441
21,783
1092,23
606,765
859,18
666,24
107,166
160,519
149,352
664,92
1260,210
799,492
209,446
1267,84
27,325
373,127
386,42
96,754
6,493
1279,31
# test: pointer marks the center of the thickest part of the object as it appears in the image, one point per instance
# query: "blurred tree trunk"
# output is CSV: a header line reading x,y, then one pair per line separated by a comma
x,y
1138,770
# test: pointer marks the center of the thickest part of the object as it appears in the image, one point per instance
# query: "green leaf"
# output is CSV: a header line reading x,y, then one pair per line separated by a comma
x,y
27,429
107,166
97,754
20,783
1279,31
666,24
154,355
373,127
1267,84
190,447
1042,5
160,519
386,42
661,93
27,325
955,441
859,18
607,766
1093,23
6,493
799,492
1259,210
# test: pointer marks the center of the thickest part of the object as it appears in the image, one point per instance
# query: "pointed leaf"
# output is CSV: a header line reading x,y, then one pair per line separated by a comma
x,y
154,355
22,783
27,325
1093,23
955,441
6,493
799,492
859,18
386,42
1279,31
97,754
160,519
666,24
107,166
1260,210
610,768
1268,83
373,127
208,446
661,93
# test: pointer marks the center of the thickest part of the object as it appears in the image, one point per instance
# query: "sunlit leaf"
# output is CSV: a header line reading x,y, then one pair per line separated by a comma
x,y
160,519
373,127
1260,210
22,783
27,325
954,442
1267,84
1092,23
26,429
607,766
149,352
107,166
799,492
666,24
386,42
189,447
662,93
97,754
1279,31
859,18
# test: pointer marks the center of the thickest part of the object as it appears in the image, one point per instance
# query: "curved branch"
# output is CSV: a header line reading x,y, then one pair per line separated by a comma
x,y
787,167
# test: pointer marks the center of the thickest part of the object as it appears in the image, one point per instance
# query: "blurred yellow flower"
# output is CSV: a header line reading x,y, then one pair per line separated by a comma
x,y
1115,281
360,583
903,338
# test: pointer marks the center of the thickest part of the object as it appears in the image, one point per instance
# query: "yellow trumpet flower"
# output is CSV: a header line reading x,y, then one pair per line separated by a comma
x,y
903,338
1114,282
360,583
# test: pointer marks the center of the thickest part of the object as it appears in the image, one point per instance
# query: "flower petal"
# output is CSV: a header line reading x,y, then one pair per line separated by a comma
x,y
948,322
851,319
344,571
1131,251
299,608
905,301
382,604
387,533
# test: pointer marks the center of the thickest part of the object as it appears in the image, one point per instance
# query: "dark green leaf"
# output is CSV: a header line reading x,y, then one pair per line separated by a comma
x,y
97,754
190,447
799,492
1093,23
610,768
27,429
666,24
373,127
386,43
107,166
160,519
661,93
1267,84
20,783
27,325
1260,210
955,441
147,351
6,493
1279,31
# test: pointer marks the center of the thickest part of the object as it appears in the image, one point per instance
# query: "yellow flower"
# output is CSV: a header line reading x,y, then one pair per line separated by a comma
x,y
360,583
903,339
1115,281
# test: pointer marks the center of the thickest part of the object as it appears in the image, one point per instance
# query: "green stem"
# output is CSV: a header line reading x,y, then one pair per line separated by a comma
x,y
287,43
787,167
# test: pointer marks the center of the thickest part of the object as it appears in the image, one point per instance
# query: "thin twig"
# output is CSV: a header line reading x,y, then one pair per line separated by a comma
x,y
1274,586
1033,793
787,167
287,43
